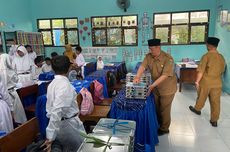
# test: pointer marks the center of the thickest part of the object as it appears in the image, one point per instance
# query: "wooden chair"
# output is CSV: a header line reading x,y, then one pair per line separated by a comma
x,y
21,137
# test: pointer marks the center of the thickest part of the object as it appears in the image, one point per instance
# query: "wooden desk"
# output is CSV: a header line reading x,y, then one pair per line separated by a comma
x,y
21,137
187,75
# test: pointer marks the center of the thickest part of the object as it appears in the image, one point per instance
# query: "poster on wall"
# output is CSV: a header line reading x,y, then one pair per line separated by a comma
x,y
130,36
224,17
108,54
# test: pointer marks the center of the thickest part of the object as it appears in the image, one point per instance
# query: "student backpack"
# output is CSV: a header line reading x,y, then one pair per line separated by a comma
x,y
98,92
87,105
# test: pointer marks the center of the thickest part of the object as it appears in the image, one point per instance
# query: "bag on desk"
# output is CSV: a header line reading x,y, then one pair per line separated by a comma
x,y
87,105
98,92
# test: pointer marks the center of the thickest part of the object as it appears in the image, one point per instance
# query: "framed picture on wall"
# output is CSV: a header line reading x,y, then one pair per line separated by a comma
x,y
100,37
224,17
228,22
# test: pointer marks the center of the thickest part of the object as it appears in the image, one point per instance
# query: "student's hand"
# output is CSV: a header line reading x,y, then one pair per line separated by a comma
x,y
47,144
151,87
197,85
136,80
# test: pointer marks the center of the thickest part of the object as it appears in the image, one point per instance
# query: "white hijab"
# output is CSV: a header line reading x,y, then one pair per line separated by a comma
x,y
22,64
100,64
9,77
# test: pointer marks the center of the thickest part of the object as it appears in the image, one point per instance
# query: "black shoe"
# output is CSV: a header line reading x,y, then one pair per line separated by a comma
x,y
214,123
161,132
194,110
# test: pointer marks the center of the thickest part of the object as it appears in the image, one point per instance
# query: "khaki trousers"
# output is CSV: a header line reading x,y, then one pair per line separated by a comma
x,y
214,98
163,109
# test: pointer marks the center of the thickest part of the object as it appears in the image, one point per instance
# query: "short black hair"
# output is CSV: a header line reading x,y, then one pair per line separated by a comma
x,y
78,48
47,59
37,60
60,64
53,54
26,46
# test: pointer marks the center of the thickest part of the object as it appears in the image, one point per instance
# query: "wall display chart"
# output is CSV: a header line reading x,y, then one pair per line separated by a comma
x,y
108,54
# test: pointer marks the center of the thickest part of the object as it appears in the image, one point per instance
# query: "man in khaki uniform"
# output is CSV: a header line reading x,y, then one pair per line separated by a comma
x,y
208,81
161,67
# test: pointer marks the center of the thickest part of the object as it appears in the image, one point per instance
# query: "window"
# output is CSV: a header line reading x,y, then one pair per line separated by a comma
x,y
59,32
114,30
181,27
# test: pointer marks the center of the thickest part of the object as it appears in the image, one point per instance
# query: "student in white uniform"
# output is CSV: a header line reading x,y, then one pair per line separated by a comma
x,y
24,67
6,122
22,62
9,79
80,61
100,63
38,67
46,67
31,53
62,110
13,49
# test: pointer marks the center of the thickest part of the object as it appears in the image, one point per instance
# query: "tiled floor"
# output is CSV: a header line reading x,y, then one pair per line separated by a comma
x,y
193,133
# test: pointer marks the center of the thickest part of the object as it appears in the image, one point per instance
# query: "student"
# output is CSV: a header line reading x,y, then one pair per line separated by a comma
x,y
38,67
31,53
69,53
9,79
22,62
53,54
13,49
100,63
46,67
80,61
208,81
6,122
164,87
62,110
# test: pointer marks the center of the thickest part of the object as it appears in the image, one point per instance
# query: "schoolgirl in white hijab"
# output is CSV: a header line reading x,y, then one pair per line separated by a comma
x,y
100,63
9,79
6,122
22,62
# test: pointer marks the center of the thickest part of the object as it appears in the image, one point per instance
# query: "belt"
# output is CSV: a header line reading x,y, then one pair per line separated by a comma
x,y
64,118
11,88
23,73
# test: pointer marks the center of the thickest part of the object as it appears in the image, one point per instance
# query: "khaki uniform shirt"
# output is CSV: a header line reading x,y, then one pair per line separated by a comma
x,y
212,66
162,65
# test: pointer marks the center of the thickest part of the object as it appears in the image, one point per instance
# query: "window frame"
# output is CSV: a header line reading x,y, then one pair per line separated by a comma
x,y
93,29
64,28
206,24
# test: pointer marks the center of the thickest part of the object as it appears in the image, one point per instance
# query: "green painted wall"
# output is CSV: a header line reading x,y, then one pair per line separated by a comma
x,y
224,47
88,8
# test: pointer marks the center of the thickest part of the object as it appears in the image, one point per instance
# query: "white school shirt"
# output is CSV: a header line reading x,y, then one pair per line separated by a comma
x,y
61,103
32,56
80,61
46,68
13,50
